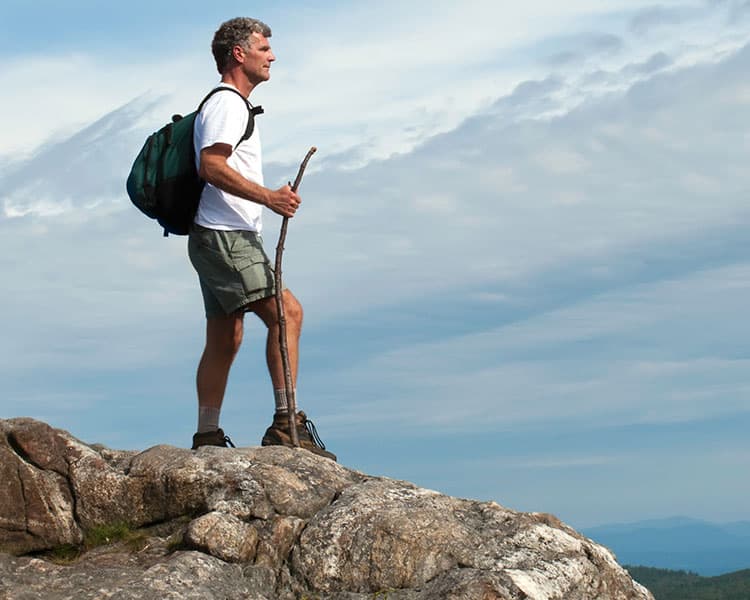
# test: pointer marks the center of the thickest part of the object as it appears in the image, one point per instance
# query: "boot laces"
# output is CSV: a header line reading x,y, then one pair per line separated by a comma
x,y
313,432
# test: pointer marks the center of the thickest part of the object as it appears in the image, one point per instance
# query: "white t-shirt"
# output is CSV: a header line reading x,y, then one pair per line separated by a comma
x,y
223,119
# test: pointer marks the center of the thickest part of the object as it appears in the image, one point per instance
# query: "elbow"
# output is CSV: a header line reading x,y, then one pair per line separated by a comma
x,y
211,171
212,162
209,175
203,172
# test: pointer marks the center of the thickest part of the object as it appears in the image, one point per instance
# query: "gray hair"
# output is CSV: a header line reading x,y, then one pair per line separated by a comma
x,y
235,32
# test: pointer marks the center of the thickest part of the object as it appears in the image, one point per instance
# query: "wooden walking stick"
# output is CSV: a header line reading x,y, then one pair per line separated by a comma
x,y
288,385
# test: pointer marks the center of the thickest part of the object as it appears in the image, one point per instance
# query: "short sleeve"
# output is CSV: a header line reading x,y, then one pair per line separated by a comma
x,y
222,120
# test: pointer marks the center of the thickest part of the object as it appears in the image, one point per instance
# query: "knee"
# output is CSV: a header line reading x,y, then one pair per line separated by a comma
x,y
292,309
234,342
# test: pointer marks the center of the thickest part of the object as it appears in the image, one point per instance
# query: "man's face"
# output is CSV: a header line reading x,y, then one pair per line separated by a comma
x,y
257,59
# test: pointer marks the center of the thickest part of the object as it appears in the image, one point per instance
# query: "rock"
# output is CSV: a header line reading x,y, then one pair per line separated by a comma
x,y
266,523
181,576
387,534
224,536
36,500
280,535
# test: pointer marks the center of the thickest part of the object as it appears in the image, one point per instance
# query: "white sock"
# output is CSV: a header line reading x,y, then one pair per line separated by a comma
x,y
208,418
279,396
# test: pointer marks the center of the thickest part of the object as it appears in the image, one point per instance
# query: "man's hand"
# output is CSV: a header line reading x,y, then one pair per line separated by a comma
x,y
284,201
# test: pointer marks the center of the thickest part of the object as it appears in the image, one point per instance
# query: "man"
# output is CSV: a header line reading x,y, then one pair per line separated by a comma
x,y
225,246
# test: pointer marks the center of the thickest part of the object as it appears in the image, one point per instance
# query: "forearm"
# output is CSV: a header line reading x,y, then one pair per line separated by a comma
x,y
215,170
224,177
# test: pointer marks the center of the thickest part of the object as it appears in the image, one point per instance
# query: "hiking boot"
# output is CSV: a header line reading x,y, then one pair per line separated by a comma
x,y
278,434
212,438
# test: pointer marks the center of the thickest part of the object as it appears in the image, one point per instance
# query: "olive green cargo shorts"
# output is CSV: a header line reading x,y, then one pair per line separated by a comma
x,y
232,267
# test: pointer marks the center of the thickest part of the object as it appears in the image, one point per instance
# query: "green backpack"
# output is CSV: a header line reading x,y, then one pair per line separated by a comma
x,y
163,181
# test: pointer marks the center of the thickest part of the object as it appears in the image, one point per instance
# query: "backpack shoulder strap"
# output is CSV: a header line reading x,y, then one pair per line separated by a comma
x,y
251,110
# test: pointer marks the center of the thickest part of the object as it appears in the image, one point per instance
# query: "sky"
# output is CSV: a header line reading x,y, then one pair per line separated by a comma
x,y
522,250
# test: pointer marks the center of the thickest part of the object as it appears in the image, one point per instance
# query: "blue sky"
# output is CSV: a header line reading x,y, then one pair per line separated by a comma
x,y
522,252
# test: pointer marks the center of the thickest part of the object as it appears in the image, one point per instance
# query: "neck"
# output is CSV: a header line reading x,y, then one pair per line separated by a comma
x,y
239,81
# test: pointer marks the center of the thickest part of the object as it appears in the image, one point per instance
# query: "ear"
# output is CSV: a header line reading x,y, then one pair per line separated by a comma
x,y
238,53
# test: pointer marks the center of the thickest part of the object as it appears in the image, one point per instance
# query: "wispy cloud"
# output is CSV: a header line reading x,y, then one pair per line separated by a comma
x,y
536,228
358,108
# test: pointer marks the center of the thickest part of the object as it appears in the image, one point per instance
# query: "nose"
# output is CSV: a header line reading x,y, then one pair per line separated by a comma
x,y
271,57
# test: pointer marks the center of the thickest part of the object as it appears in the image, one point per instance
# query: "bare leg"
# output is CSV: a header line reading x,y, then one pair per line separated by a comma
x,y
266,310
280,431
223,339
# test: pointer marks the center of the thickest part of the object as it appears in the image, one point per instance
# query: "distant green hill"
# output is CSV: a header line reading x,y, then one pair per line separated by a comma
x,y
683,585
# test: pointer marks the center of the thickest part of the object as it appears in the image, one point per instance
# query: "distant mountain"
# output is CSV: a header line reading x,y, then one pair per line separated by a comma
x,y
679,585
679,543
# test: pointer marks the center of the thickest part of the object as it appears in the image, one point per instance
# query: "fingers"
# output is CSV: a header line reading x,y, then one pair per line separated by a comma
x,y
293,200
286,202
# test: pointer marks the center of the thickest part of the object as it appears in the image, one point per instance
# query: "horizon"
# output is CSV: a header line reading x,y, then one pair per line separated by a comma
x,y
521,251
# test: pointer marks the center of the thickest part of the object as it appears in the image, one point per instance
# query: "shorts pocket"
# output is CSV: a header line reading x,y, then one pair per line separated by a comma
x,y
256,274
247,253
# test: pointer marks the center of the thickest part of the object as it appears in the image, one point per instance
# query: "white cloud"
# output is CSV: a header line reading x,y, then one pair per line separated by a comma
x,y
436,204
496,202
641,354
501,179
473,254
544,462
562,161
346,82
78,89
739,94
474,203
701,184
